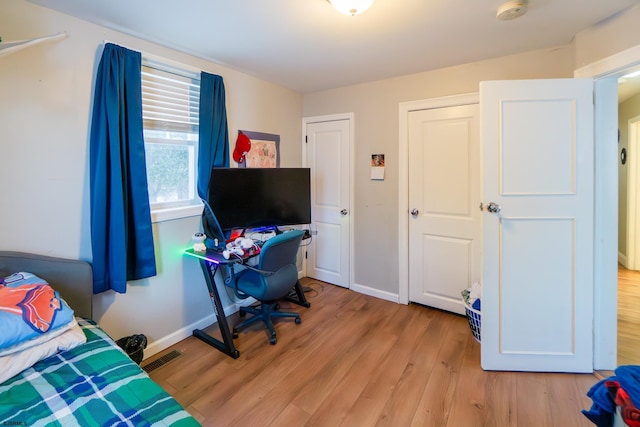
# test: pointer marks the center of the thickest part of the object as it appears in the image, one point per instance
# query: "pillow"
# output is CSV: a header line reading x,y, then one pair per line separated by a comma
x,y
29,307
15,363
23,345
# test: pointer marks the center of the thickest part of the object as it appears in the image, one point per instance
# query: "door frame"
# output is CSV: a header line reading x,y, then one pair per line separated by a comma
x,y
331,118
403,179
605,73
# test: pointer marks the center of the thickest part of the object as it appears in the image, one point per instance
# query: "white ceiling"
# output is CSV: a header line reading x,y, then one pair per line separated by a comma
x,y
306,45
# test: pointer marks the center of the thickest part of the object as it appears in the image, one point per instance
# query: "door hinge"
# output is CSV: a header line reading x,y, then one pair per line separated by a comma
x,y
306,139
306,255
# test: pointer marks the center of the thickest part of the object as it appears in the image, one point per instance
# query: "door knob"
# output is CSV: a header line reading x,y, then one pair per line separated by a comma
x,y
343,212
493,207
415,212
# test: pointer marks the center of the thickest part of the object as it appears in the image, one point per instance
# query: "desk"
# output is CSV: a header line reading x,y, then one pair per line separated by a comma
x,y
209,262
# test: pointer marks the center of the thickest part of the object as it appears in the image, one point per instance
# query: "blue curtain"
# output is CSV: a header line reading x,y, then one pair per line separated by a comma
x,y
121,234
213,143
213,146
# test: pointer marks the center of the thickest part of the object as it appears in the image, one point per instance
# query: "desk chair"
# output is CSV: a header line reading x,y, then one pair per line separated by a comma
x,y
270,280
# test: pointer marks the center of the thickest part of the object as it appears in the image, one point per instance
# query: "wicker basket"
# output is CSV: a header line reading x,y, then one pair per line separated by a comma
x,y
473,317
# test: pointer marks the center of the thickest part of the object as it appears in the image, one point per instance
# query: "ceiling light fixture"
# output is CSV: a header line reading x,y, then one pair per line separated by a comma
x,y
351,7
511,10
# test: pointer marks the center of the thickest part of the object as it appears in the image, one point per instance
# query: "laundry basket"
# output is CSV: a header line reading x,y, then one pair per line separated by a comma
x,y
473,317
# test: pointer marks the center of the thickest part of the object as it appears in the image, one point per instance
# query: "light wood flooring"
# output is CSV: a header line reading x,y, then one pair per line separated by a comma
x,y
360,361
628,316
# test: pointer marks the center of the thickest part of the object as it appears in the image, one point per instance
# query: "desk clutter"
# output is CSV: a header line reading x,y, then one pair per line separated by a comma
x,y
240,246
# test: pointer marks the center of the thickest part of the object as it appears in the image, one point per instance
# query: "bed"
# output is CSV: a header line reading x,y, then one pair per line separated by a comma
x,y
89,382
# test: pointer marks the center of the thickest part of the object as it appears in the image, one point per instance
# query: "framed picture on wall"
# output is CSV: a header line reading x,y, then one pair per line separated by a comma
x,y
264,151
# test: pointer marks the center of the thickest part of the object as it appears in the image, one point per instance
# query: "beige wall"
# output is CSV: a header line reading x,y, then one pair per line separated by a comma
x,y
627,110
611,36
606,39
375,106
45,104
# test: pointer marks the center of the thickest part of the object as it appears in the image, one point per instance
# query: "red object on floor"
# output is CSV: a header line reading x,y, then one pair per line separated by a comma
x,y
630,414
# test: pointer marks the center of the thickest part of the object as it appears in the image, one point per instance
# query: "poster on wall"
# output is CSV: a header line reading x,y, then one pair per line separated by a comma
x,y
377,166
257,150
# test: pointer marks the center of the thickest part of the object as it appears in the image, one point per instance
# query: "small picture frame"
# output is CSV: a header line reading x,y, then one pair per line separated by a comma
x,y
377,167
264,152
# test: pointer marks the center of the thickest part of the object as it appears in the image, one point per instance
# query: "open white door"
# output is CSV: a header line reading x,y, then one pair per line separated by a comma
x,y
538,179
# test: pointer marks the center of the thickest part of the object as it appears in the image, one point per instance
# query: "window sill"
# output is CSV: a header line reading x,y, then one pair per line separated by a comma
x,y
161,215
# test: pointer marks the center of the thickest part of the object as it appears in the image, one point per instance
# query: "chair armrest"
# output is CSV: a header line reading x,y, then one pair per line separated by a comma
x,y
265,273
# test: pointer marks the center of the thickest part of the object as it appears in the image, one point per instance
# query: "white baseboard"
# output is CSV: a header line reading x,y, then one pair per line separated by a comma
x,y
167,341
622,259
388,296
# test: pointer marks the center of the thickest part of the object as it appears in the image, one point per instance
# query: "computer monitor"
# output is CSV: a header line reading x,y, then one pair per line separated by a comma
x,y
249,198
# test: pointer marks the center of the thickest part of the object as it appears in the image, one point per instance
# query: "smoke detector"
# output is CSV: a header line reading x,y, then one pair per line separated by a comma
x,y
511,10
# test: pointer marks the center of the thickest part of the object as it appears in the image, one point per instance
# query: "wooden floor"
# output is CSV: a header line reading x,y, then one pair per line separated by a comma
x,y
360,361
628,317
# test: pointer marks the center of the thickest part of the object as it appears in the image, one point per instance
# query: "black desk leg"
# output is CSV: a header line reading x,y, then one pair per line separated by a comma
x,y
299,299
227,347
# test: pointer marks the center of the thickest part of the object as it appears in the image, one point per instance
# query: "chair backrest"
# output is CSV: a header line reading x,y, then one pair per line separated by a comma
x,y
280,250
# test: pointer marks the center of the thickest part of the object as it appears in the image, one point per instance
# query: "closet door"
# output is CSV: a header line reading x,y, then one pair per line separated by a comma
x,y
444,195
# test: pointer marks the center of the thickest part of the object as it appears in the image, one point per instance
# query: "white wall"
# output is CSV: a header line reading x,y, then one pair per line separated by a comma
x,y
45,109
375,106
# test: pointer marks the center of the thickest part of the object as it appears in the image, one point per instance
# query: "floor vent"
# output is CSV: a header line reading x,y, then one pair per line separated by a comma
x,y
162,360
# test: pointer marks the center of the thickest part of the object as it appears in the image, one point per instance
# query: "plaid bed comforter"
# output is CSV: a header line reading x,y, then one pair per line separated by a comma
x,y
95,384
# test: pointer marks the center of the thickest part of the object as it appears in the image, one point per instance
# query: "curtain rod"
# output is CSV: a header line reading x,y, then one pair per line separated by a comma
x,y
161,60
14,46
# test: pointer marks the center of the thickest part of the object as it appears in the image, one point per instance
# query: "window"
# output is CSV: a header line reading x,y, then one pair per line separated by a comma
x,y
170,113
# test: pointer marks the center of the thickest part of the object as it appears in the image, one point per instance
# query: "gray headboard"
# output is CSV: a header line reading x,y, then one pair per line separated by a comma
x,y
73,279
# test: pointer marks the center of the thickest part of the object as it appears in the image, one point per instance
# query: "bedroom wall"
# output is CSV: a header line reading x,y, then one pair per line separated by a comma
x,y
627,110
46,94
607,38
591,45
376,107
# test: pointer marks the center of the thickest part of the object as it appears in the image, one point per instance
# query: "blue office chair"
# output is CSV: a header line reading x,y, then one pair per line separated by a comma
x,y
270,280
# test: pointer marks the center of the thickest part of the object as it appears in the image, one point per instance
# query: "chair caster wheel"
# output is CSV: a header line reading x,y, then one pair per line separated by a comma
x,y
242,313
234,334
298,320
273,341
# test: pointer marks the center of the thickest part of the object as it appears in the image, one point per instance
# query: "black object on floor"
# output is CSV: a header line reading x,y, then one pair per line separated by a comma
x,y
134,346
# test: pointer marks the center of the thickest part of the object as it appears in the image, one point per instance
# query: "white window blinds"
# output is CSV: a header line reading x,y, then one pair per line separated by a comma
x,y
170,98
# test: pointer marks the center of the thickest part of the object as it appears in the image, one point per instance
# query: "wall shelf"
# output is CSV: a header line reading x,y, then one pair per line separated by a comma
x,y
14,46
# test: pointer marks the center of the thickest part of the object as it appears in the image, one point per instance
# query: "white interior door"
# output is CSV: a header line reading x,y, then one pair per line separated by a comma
x,y
538,274
328,156
444,195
